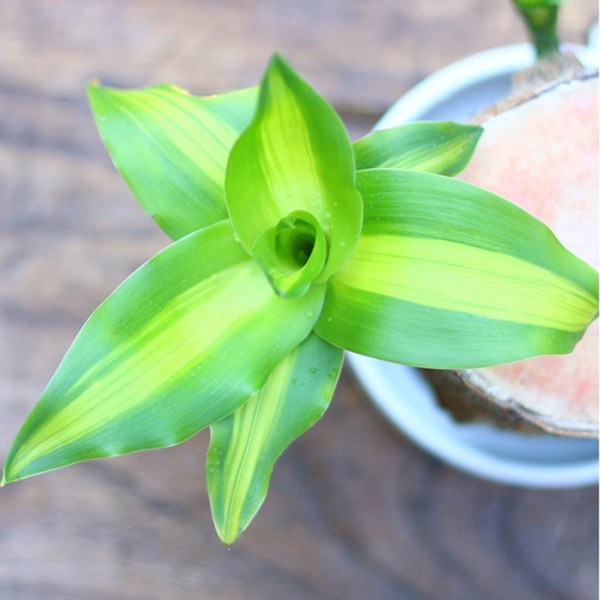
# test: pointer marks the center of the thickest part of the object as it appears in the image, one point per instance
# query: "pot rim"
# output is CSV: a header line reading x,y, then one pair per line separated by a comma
x,y
468,71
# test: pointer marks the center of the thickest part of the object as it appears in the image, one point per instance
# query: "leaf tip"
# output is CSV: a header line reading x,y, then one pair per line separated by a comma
x,y
280,65
277,59
227,535
96,92
8,472
93,86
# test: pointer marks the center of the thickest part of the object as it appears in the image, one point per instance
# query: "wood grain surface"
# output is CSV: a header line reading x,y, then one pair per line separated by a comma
x,y
355,510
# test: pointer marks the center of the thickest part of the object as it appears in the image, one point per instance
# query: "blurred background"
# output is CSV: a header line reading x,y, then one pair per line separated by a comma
x,y
355,510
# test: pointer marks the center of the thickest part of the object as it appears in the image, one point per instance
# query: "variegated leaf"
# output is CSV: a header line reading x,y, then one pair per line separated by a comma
x,y
448,275
435,147
180,344
245,445
172,148
294,159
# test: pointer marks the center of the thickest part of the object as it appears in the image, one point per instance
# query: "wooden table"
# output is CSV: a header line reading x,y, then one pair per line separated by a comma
x,y
355,511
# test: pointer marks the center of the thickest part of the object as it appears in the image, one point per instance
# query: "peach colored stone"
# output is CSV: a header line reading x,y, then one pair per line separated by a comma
x,y
543,156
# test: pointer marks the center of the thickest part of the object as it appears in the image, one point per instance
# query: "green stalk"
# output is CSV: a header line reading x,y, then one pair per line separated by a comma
x,y
540,18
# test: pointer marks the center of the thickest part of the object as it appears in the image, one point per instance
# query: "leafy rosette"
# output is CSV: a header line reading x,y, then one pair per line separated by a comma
x,y
290,245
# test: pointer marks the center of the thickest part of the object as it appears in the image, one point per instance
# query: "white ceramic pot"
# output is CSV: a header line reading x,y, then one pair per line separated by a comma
x,y
456,93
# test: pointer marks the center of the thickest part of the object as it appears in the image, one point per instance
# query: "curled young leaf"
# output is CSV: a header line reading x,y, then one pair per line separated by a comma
x,y
435,147
245,445
294,156
447,275
171,148
293,253
180,344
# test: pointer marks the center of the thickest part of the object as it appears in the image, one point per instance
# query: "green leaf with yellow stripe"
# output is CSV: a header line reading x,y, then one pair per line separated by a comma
x,y
179,345
447,275
245,445
294,158
172,148
435,147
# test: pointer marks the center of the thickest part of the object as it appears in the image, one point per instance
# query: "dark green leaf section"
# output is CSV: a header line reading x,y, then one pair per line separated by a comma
x,y
172,148
419,335
179,345
295,156
541,18
461,279
436,147
245,446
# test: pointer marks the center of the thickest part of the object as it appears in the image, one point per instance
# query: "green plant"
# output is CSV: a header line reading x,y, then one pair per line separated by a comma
x,y
291,244
540,18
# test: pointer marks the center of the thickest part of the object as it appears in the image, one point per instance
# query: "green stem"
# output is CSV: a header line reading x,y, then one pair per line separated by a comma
x,y
540,19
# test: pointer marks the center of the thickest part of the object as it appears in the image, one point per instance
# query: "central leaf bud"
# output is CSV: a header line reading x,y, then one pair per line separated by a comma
x,y
294,242
292,253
